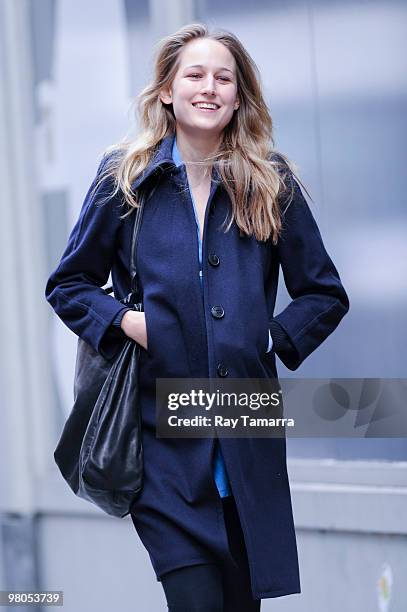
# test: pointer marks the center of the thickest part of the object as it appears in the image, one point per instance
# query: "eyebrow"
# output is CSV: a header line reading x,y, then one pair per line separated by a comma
x,y
200,66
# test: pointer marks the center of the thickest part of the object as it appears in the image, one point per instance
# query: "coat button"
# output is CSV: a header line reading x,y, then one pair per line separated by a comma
x,y
213,259
217,312
222,370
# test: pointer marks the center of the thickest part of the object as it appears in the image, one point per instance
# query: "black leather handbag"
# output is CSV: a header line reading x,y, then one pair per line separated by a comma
x,y
100,452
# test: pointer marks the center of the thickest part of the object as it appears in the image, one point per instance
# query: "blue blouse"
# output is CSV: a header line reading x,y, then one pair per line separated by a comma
x,y
219,469
220,474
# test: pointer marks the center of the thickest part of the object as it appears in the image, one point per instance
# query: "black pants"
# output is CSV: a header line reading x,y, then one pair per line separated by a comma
x,y
212,587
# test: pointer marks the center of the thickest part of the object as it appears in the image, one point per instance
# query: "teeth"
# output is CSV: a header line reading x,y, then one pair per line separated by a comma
x,y
205,105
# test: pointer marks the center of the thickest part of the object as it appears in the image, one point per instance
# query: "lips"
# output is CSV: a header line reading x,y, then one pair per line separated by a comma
x,y
205,109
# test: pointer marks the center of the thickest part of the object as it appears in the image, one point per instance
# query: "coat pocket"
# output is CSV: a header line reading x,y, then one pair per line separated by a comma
x,y
148,329
267,334
264,342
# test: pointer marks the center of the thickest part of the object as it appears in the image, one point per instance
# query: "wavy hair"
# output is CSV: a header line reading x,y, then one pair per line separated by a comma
x,y
253,173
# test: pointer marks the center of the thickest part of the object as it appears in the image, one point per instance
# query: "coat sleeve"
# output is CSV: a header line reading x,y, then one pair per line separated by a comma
x,y
74,289
319,300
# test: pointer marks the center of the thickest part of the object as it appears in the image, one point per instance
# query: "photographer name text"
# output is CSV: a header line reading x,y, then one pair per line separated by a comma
x,y
219,421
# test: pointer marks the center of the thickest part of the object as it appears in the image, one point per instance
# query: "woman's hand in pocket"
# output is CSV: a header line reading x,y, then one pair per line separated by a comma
x,y
133,324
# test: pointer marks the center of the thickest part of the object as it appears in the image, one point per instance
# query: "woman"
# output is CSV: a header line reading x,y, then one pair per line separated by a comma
x,y
224,213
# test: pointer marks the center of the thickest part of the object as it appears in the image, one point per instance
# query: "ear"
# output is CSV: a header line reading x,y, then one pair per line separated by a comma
x,y
166,96
237,104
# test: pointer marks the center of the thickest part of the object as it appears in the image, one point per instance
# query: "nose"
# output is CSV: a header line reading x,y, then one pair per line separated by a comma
x,y
209,85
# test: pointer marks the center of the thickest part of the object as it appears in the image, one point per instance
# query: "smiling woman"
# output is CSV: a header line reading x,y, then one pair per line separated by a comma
x,y
210,88
224,213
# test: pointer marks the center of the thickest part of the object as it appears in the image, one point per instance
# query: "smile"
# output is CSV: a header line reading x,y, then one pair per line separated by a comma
x,y
207,109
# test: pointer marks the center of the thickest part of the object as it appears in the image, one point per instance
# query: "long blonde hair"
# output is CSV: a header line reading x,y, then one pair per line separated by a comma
x,y
253,173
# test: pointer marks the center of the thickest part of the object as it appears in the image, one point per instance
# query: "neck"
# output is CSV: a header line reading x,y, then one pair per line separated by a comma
x,y
198,146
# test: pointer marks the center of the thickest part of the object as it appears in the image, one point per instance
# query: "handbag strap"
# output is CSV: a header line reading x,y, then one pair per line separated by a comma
x,y
136,232
134,286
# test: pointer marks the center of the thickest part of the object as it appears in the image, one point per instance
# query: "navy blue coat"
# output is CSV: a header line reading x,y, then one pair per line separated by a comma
x,y
178,515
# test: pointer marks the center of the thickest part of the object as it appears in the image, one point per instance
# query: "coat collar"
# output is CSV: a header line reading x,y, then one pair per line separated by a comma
x,y
162,156
167,154
176,155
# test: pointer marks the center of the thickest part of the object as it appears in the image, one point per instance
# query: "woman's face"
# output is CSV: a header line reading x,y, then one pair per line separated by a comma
x,y
206,73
